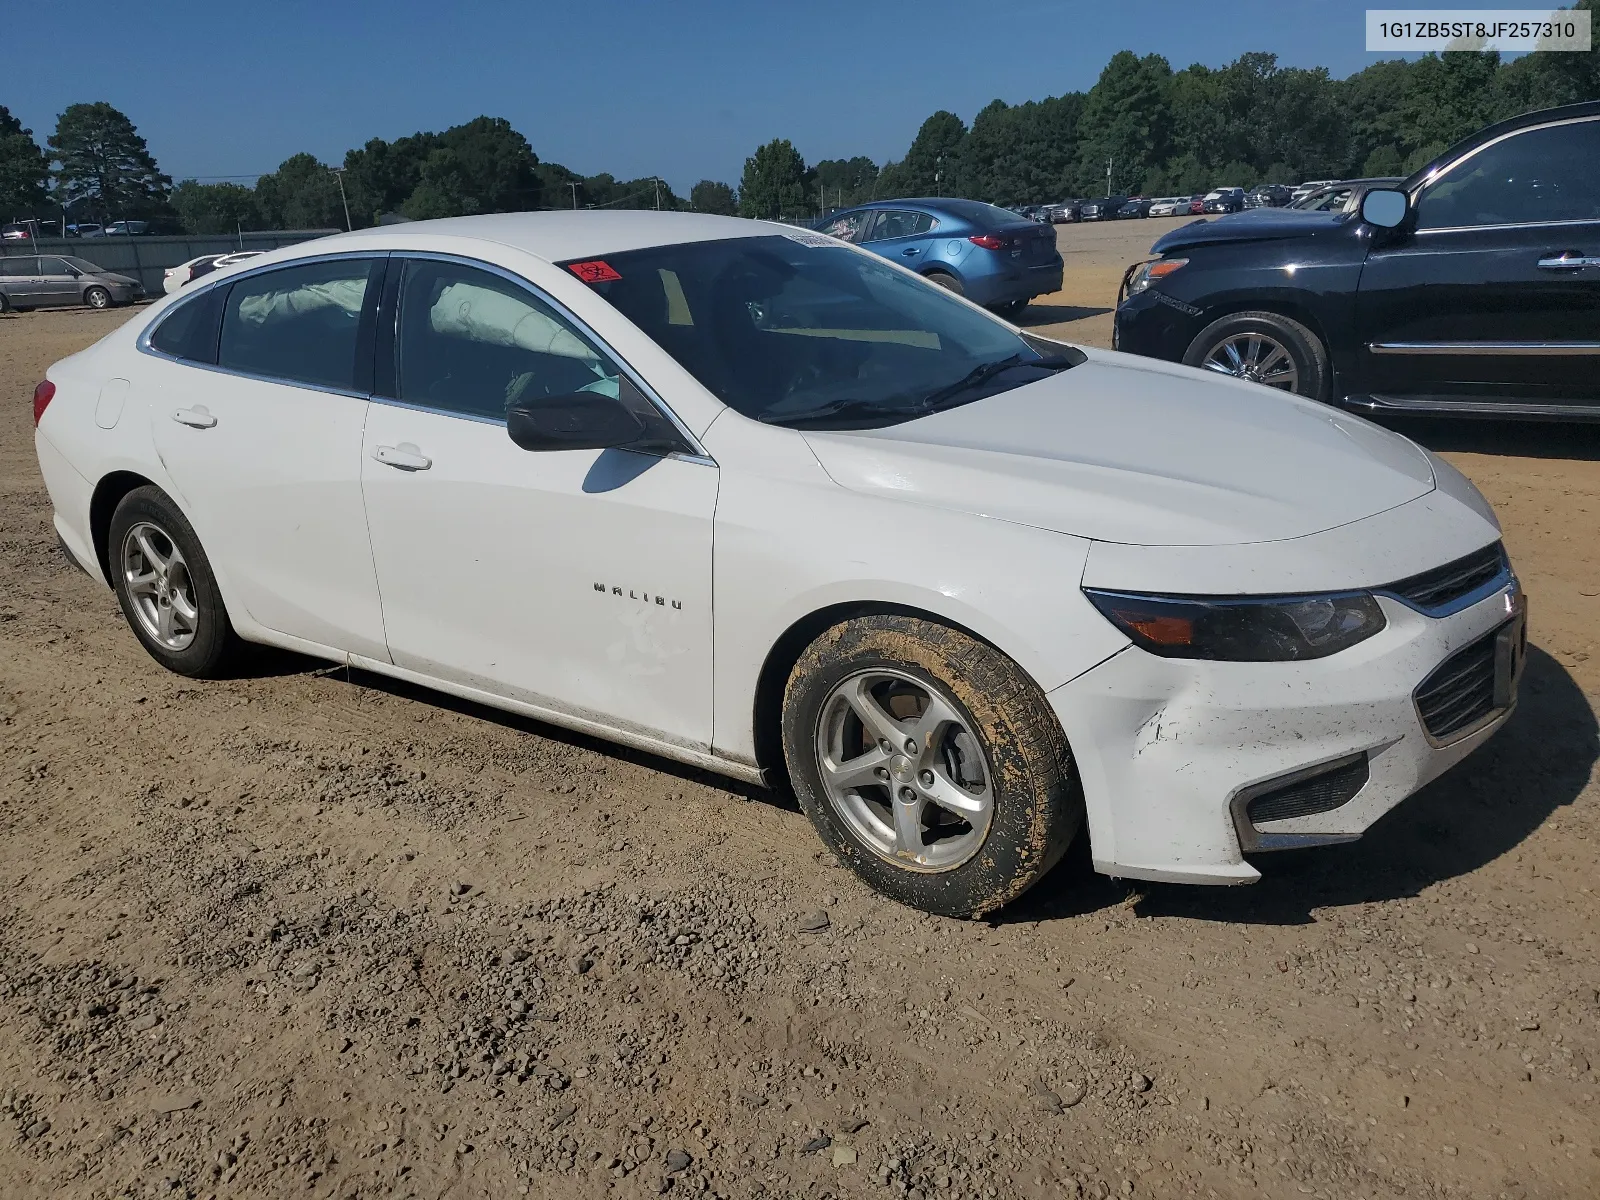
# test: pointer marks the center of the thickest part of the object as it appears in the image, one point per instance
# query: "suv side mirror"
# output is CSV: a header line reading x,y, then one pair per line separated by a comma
x,y
1384,207
579,421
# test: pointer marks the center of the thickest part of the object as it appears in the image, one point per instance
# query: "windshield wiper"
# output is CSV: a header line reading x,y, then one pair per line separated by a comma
x,y
987,371
833,408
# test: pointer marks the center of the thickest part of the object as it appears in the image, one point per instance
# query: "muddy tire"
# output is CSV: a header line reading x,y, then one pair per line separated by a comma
x,y
930,764
166,587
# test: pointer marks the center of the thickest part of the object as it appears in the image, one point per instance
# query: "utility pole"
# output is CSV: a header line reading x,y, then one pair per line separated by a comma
x,y
338,173
1108,177
657,182
573,185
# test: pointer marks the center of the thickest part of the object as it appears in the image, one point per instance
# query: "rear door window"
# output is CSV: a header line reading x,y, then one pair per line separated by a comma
x,y
189,331
896,223
19,266
300,324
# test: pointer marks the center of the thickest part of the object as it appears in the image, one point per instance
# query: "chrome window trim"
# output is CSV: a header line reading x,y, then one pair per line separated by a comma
x,y
699,454
143,344
1486,349
1509,225
1433,177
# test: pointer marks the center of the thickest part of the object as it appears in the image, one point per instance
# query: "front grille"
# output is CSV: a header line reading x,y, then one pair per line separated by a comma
x,y
1460,692
1442,586
1319,794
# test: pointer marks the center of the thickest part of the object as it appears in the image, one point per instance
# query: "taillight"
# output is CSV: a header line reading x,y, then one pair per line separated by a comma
x,y
42,395
989,241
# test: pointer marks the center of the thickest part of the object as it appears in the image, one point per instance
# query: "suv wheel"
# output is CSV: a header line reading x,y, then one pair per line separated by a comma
x,y
929,763
1264,348
165,586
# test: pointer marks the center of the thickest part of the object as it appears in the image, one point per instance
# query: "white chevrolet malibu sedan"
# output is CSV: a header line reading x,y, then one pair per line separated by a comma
x,y
759,501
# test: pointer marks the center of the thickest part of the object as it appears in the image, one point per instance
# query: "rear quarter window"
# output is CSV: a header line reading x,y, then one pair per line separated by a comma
x,y
189,331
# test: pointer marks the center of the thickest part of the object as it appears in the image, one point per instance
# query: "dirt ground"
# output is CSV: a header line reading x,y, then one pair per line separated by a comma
x,y
309,932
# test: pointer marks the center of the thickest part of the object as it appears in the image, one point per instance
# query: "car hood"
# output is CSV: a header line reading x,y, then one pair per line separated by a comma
x,y
1124,449
1251,225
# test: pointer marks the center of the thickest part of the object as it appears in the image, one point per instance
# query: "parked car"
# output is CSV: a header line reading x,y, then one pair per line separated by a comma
x,y
1225,200
988,254
175,278
86,229
1169,206
15,231
1469,288
1305,189
1103,209
29,281
1342,197
1067,212
1097,546
127,229
1197,205
1269,195
1134,208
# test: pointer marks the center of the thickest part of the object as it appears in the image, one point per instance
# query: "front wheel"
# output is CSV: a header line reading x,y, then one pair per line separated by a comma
x,y
166,588
97,297
929,763
1265,348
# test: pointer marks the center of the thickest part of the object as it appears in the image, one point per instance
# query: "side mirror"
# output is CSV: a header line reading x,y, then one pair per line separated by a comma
x,y
1384,207
579,421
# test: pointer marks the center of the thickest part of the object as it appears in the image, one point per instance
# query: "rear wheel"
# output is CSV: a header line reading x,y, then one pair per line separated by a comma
x,y
1265,348
947,281
97,297
166,588
1012,309
5,303
929,763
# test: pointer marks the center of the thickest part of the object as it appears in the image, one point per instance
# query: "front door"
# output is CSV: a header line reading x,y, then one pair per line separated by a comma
x,y
265,454
575,581
58,283
1490,295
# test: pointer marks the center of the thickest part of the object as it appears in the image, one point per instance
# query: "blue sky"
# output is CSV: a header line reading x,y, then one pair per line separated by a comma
x,y
683,90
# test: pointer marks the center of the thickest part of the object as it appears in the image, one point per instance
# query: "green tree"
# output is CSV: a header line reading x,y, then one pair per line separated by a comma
x,y
932,166
215,207
106,164
302,193
1125,122
774,182
845,181
709,196
24,170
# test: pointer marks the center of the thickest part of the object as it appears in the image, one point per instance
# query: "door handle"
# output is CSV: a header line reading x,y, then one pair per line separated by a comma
x,y
1568,260
405,456
198,417
910,250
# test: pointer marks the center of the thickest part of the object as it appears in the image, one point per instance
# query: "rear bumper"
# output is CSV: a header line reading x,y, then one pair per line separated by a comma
x,y
1016,283
1171,752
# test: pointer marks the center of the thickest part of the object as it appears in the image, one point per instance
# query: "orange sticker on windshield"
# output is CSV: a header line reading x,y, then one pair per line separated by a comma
x,y
595,271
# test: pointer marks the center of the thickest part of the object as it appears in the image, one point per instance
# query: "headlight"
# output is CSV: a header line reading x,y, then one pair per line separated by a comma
x,y
1154,272
1258,629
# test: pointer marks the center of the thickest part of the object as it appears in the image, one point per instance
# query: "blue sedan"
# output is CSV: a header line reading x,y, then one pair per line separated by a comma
x,y
987,254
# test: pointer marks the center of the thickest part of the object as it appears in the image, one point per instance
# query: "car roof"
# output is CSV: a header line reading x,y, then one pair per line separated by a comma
x,y
556,235
1567,112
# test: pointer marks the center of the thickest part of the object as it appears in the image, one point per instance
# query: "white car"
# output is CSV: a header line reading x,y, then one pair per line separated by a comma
x,y
176,278
1169,206
759,501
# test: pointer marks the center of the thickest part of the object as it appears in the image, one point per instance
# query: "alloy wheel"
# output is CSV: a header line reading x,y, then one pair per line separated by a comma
x,y
159,586
903,769
1257,357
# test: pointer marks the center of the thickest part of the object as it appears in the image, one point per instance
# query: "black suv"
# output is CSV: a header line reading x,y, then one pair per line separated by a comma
x,y
1472,287
1103,209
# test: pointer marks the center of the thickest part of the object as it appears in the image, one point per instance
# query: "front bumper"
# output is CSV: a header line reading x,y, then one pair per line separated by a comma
x,y
1156,325
1170,751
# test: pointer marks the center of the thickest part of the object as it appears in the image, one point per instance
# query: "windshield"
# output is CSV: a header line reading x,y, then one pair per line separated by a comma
x,y
797,330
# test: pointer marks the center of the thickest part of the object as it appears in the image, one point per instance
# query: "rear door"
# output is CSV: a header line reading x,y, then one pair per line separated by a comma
x,y
22,282
260,430
1492,297
900,235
